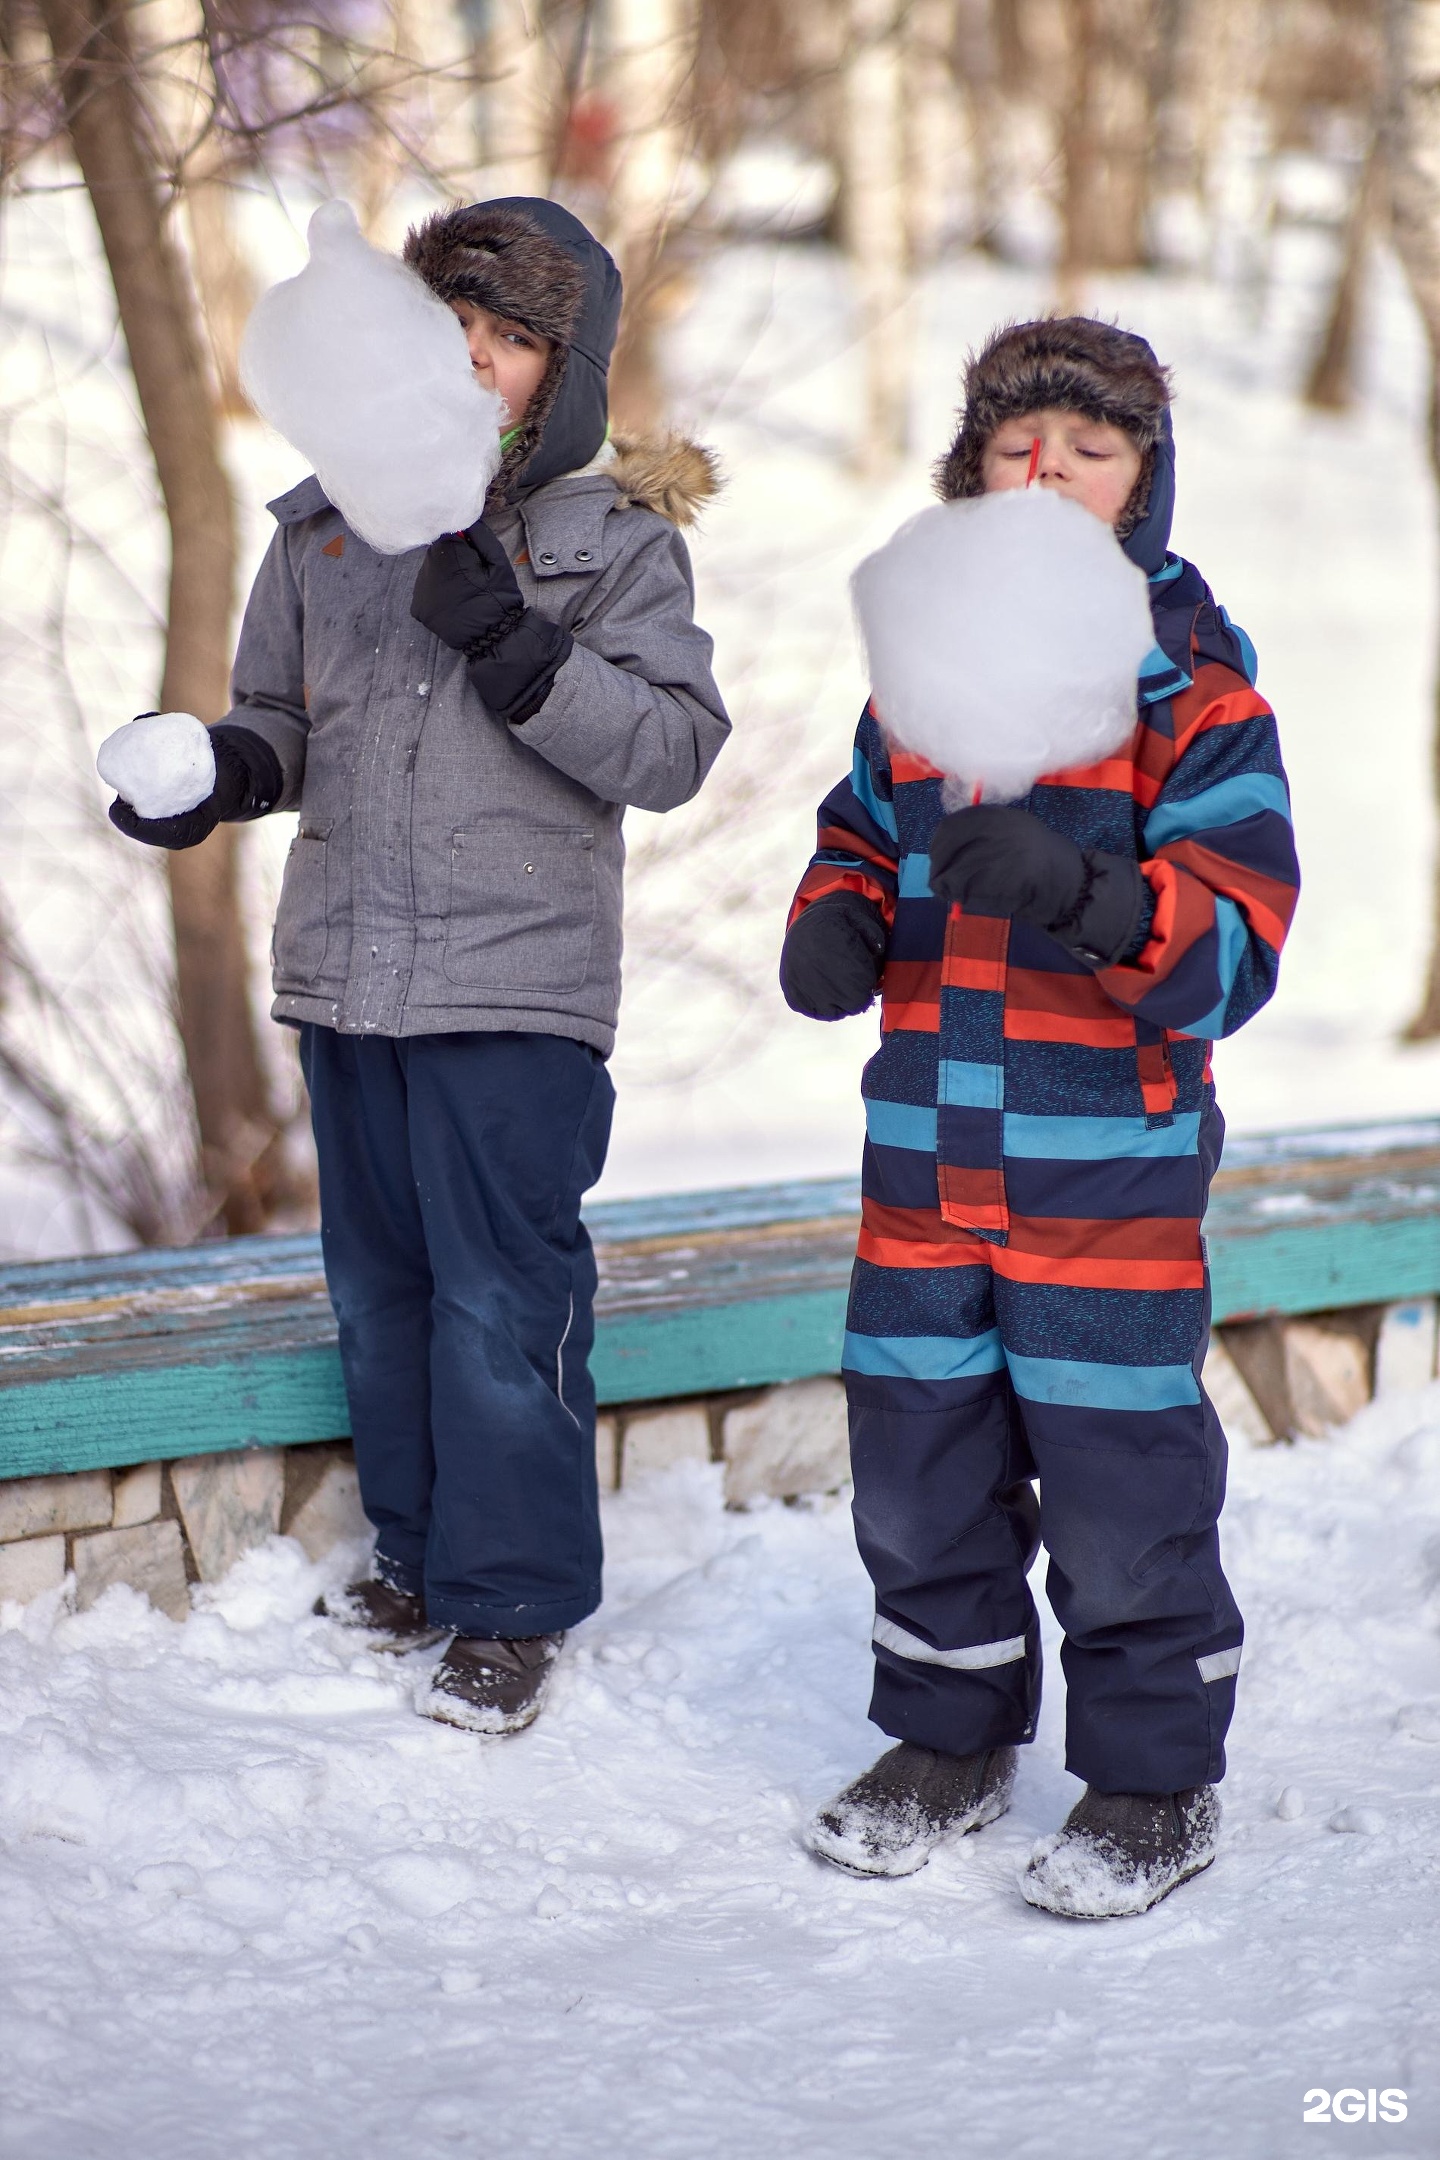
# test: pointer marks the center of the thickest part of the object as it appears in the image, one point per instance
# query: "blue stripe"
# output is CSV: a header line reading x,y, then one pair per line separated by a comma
x,y
1098,1139
1160,677
1169,570
1232,937
902,1125
862,781
924,1357
1248,655
977,1087
1245,795
915,878
1102,1387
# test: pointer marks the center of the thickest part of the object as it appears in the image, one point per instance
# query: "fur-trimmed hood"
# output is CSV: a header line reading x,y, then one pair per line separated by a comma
x,y
668,474
1081,365
527,258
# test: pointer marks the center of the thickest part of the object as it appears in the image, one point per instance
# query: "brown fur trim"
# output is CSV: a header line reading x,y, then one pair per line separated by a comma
x,y
500,260
1068,361
665,473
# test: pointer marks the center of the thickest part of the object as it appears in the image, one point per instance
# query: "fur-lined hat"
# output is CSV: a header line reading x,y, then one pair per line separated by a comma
x,y
529,260
1068,361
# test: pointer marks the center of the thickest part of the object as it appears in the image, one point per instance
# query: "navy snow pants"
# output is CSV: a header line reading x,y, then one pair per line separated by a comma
x,y
451,1173
965,1385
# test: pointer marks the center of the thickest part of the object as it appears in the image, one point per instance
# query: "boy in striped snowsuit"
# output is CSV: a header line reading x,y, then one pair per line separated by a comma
x,y
1030,1295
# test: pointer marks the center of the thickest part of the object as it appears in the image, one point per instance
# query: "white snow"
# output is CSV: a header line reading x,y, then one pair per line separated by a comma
x,y
255,1906
1003,637
160,764
365,372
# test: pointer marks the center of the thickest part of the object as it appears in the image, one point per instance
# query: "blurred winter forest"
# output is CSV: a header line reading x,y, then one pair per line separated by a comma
x,y
818,206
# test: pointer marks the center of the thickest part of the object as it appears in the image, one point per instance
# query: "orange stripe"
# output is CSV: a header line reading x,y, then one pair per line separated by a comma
x,y
973,1199
1040,990
921,1225
911,1016
1217,698
901,1253
1160,1240
1090,1031
962,973
905,765
1251,890
1096,1274
827,878
908,979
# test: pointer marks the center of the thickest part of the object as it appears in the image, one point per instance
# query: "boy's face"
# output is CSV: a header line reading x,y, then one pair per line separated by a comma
x,y
1095,464
504,355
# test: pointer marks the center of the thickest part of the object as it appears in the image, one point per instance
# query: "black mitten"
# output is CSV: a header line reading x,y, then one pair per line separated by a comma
x,y
998,859
833,957
465,590
248,782
467,595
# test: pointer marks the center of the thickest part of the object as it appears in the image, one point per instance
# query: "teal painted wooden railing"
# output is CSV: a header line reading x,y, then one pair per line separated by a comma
x,y
143,1355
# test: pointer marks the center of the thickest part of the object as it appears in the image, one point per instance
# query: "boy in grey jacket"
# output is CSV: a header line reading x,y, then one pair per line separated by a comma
x,y
461,729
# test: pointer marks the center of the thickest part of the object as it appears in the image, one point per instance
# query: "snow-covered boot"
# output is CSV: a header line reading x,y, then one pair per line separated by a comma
x,y
376,1608
491,1684
1123,1852
892,1818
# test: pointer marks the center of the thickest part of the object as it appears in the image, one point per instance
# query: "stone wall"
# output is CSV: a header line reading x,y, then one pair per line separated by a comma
x,y
164,1526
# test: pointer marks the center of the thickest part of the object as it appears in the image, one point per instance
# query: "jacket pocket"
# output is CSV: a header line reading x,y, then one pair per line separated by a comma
x,y
522,907
302,925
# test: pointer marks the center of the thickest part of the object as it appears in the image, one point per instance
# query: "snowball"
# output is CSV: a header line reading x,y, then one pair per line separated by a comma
x,y
358,365
1003,636
1291,1804
1359,1821
161,764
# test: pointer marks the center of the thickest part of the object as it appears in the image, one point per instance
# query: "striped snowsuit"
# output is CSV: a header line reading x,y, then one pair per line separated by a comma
x,y
1030,1294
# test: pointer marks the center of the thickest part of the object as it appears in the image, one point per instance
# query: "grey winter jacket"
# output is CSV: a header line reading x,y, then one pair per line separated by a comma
x,y
451,872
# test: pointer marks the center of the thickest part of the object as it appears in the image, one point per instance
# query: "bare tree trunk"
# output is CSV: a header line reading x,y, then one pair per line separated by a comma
x,y
1330,384
977,55
876,226
649,82
1106,129
934,149
1412,149
520,100
110,130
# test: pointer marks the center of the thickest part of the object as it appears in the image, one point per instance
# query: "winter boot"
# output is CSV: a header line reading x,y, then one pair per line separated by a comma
x,y
375,1608
491,1684
1123,1852
891,1819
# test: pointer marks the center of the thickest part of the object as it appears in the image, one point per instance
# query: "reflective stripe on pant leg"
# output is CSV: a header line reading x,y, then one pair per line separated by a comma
x,y
978,1657
1131,1485
944,1517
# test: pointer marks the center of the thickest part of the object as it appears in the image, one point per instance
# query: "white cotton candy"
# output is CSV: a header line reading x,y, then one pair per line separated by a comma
x,y
358,365
1003,636
160,765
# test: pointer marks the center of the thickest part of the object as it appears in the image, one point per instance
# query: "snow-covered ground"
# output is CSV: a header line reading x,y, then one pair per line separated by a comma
x,y
252,1905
